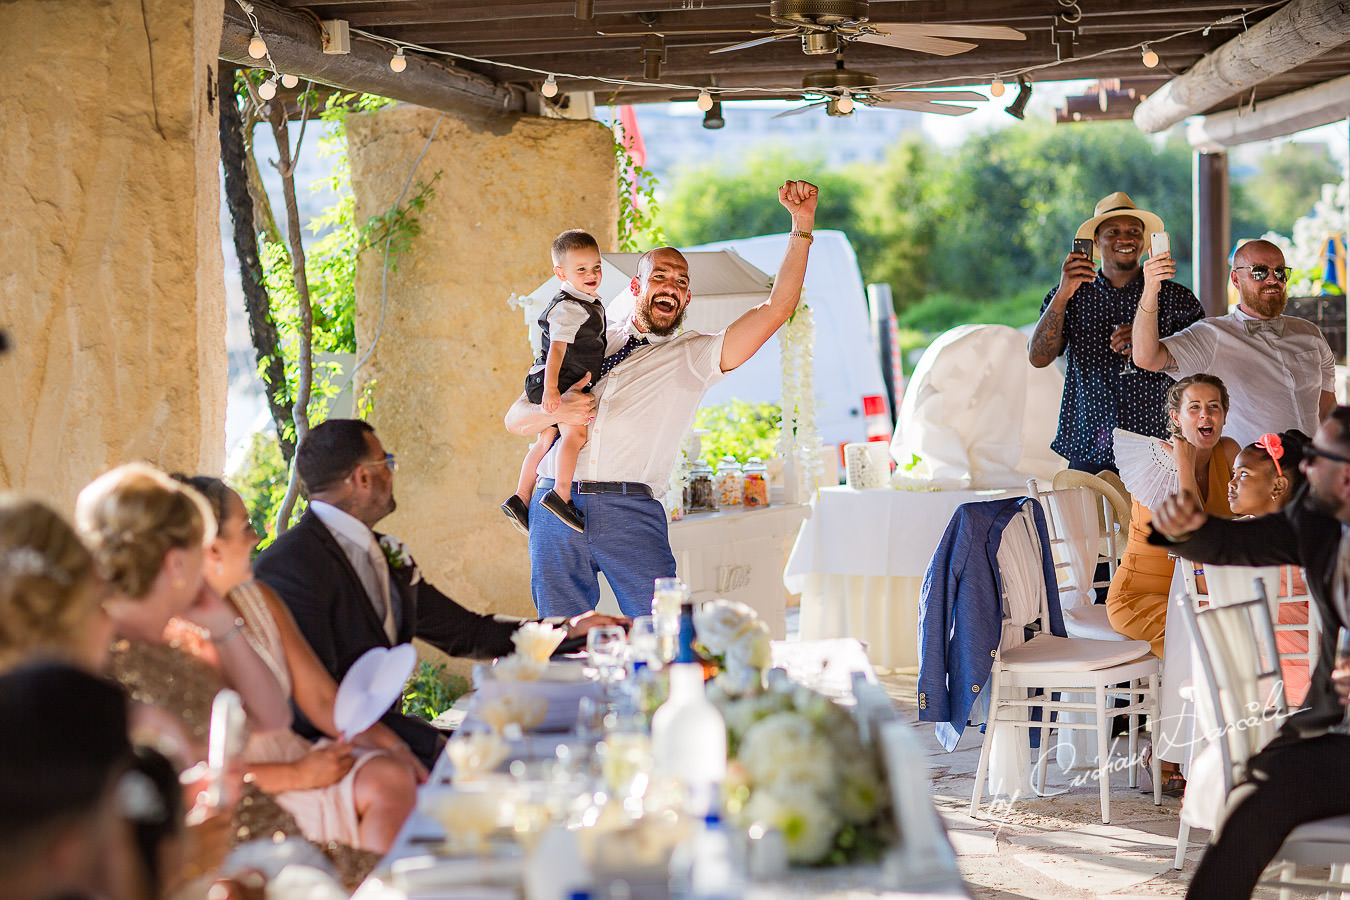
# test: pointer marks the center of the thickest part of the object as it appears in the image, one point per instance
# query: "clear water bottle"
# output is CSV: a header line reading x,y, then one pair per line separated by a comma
x,y
689,735
705,867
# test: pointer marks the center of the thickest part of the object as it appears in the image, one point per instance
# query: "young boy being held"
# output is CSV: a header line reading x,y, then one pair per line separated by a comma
x,y
572,345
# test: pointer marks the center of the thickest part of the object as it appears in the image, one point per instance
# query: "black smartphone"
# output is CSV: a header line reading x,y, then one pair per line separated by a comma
x,y
1083,246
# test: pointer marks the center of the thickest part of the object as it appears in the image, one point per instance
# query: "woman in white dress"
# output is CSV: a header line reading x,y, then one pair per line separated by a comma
x,y
357,793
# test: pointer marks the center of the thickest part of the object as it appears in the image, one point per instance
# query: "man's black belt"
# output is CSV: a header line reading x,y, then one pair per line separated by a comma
x,y
602,487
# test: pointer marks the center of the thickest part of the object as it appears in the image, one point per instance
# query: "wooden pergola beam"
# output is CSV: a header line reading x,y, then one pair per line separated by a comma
x,y
294,44
1320,105
1303,30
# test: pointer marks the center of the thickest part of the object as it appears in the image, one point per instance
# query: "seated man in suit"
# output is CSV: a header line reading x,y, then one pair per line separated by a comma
x,y
351,589
1301,775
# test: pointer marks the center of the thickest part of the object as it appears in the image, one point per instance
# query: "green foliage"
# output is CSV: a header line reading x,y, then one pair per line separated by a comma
x,y
261,482
739,429
638,207
1284,187
431,691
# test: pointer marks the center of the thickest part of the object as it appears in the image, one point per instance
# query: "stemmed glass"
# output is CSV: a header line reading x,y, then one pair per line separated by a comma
x,y
1129,368
605,647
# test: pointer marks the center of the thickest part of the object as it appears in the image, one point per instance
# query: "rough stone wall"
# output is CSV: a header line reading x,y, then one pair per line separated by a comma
x,y
452,355
110,282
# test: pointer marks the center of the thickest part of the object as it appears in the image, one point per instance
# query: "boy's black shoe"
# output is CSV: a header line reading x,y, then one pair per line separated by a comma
x,y
563,509
518,513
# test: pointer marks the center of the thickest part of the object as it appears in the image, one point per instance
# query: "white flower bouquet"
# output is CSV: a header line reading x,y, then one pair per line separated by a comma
x,y
732,634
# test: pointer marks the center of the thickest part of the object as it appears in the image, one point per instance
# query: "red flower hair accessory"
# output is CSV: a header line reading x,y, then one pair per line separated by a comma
x,y
1272,444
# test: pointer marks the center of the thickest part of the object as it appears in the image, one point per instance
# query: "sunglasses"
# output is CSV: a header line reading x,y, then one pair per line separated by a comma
x,y
1312,451
388,462
1261,273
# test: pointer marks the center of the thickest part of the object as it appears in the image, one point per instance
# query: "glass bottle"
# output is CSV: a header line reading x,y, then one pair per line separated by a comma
x,y
756,490
700,489
689,736
729,483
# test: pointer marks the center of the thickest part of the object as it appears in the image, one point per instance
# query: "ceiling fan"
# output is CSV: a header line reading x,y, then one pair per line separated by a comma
x,y
840,89
824,26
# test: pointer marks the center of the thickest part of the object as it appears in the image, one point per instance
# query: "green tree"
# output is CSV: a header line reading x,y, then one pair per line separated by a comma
x,y
1286,184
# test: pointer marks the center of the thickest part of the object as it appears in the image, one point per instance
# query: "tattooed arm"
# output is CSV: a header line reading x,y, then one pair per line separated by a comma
x,y
1048,340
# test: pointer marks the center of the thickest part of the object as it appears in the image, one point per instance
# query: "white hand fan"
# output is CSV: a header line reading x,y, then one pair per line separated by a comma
x,y
1146,466
371,686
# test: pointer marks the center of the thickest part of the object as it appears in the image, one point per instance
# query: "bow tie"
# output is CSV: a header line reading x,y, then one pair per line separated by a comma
x,y
1274,326
621,354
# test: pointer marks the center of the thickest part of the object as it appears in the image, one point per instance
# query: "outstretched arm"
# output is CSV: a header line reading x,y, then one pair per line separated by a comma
x,y
747,334
1149,352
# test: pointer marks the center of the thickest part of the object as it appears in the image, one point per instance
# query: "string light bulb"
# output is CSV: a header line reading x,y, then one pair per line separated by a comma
x,y
398,62
550,87
289,81
996,87
268,89
1148,56
257,48
845,105
705,101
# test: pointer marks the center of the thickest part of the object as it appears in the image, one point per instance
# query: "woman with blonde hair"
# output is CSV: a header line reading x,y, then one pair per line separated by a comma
x,y
147,534
48,590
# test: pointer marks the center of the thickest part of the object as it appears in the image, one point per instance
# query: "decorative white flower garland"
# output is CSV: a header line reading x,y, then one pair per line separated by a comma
x,y
800,439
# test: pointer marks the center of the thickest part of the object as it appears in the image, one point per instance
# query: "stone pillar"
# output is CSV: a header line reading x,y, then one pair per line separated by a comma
x,y
452,354
111,282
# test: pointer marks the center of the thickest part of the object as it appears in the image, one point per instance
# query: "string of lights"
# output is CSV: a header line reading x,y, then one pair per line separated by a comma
x,y
708,95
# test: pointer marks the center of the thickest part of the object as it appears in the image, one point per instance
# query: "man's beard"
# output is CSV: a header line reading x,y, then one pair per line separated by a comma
x,y
1314,503
1268,306
644,319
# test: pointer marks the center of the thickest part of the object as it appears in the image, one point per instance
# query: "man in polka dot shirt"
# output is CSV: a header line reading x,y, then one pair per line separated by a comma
x,y
1088,316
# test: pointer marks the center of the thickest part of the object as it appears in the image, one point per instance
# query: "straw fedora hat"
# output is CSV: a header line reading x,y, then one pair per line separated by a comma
x,y
1118,204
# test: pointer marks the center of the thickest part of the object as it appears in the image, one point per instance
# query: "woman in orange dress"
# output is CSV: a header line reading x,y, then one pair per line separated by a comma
x,y
1266,476
1196,409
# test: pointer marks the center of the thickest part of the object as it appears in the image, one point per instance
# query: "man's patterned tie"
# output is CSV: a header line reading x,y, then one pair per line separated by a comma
x,y
621,354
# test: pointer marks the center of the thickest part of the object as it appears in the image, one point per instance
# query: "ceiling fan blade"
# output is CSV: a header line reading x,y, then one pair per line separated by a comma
x,y
973,32
917,42
798,110
667,31
916,106
755,43
932,96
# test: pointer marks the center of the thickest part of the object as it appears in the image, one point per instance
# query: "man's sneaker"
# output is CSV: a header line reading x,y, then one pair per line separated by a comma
x,y
563,509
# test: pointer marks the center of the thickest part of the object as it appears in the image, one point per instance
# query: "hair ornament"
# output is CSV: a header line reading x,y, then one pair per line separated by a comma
x,y
25,562
1272,444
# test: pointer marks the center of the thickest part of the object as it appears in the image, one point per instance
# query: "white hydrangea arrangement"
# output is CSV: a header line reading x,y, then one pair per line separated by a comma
x,y
796,763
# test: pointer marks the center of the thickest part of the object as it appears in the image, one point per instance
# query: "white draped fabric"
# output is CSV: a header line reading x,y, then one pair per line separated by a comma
x,y
977,413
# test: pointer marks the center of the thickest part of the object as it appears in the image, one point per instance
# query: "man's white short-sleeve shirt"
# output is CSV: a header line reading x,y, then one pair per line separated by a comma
x,y
1274,382
645,407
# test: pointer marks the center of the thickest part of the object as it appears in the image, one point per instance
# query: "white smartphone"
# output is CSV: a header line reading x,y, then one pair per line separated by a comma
x,y
1161,244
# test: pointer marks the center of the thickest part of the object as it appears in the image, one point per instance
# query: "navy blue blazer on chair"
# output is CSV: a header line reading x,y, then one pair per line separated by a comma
x,y
961,611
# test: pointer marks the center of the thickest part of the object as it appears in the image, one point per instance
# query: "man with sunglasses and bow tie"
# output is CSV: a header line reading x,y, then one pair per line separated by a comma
x,y
1279,370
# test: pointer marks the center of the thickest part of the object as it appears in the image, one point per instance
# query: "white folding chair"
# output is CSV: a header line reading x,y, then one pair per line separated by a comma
x,y
1242,705
1090,620
1057,665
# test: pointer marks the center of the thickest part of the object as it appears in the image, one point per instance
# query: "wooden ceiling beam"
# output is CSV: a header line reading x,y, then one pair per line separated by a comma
x,y
1320,105
294,43
1298,33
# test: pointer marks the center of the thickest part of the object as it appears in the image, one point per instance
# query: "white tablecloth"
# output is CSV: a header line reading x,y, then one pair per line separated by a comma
x,y
859,563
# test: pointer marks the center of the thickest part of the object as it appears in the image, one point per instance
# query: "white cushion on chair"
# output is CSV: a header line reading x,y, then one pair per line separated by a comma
x,y
1333,830
1050,653
1091,622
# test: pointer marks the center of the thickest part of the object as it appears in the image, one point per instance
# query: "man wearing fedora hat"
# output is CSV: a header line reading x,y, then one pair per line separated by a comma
x,y
1278,369
1088,316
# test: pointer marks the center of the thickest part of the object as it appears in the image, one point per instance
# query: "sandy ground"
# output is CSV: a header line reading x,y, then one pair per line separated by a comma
x,y
1055,846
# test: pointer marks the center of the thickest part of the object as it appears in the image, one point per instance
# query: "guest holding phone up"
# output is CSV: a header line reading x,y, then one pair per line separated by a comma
x,y
1088,316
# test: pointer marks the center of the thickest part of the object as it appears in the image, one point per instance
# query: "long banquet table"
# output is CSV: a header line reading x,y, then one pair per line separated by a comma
x,y
859,563
824,665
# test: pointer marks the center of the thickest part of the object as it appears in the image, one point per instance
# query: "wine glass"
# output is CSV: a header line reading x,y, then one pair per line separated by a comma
x,y
644,642
605,646
1129,367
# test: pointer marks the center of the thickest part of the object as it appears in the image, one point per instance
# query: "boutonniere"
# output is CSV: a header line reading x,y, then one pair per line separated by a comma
x,y
400,560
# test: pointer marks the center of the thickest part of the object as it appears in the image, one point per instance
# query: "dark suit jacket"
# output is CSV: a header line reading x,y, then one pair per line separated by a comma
x,y
311,573
1295,536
